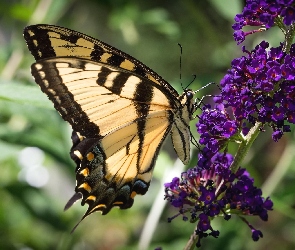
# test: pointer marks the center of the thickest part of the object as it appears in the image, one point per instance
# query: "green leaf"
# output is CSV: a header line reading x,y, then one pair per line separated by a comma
x,y
23,94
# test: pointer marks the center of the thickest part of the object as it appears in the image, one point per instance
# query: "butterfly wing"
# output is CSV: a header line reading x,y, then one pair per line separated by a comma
x,y
121,112
113,170
95,98
46,41
122,120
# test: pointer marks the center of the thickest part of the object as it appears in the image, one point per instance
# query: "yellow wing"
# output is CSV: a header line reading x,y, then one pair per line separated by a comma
x,y
121,126
112,171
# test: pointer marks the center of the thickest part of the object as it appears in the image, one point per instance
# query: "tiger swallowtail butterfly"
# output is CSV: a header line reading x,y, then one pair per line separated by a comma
x,y
120,111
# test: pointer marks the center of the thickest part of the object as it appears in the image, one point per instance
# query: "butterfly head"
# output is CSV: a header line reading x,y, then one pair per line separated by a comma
x,y
188,103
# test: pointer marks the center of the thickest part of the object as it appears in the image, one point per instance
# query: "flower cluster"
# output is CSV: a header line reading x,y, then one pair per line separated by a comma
x,y
261,87
205,194
215,128
263,13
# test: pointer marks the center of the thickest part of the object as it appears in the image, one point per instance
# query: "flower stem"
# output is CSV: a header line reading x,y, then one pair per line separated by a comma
x,y
279,22
289,38
191,244
245,146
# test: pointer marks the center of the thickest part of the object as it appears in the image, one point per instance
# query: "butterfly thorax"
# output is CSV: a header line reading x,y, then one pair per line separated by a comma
x,y
187,105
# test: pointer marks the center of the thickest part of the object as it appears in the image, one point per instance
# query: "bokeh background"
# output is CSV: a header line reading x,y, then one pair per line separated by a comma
x,y
36,173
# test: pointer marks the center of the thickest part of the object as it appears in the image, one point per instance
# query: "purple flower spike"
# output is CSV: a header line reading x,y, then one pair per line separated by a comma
x,y
260,87
207,193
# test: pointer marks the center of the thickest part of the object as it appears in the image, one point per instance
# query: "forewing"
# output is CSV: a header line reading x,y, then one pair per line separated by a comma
x,y
97,99
47,41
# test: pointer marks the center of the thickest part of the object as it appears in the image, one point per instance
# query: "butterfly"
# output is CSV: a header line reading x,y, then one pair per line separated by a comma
x,y
120,111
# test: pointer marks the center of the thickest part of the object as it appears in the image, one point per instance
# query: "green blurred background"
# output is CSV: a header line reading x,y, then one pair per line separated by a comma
x,y
36,173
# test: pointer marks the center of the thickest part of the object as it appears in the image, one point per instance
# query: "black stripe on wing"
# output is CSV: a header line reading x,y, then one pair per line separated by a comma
x,y
143,96
118,82
52,85
39,43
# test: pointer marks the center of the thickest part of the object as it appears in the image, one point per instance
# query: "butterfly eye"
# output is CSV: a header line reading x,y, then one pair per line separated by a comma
x,y
189,95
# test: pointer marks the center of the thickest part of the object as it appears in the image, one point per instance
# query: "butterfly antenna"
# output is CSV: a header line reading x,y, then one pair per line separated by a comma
x,y
180,67
201,100
204,87
195,76
180,70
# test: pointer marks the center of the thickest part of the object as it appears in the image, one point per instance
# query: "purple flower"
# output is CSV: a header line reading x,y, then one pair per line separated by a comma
x,y
276,135
204,194
288,15
207,195
256,234
215,127
259,87
204,222
262,14
240,36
